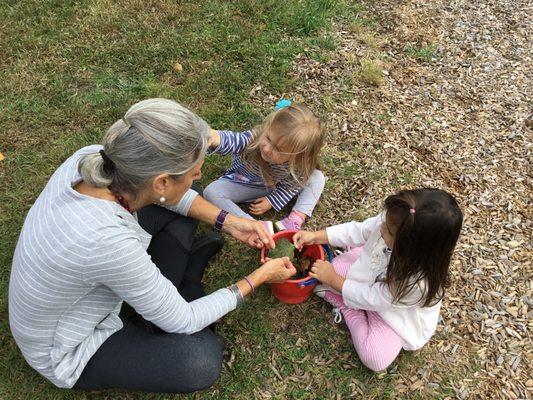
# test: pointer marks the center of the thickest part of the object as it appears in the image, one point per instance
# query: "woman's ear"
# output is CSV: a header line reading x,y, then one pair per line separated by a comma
x,y
160,184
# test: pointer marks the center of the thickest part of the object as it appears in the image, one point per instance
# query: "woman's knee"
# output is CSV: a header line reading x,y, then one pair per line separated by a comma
x,y
208,375
182,229
206,366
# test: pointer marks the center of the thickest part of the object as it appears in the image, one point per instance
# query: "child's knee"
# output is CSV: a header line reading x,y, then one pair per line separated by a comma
x,y
317,179
211,192
376,362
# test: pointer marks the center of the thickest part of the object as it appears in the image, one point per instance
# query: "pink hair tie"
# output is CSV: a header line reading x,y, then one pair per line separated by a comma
x,y
412,211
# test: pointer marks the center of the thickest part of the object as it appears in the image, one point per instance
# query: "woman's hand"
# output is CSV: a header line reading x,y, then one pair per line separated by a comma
x,y
325,273
248,231
260,206
277,270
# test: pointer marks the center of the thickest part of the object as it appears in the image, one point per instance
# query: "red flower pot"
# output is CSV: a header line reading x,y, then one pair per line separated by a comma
x,y
290,291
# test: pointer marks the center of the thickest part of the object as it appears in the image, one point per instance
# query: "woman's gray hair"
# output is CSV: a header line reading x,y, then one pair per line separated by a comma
x,y
155,136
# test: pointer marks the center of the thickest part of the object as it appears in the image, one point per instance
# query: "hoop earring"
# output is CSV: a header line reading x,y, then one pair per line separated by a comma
x,y
162,199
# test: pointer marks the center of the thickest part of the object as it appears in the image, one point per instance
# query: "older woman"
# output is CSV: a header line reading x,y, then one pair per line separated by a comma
x,y
94,238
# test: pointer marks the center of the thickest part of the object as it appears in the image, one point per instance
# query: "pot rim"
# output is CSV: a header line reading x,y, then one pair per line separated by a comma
x,y
307,278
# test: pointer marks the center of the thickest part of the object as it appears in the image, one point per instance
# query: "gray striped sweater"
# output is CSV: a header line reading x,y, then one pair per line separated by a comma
x,y
76,260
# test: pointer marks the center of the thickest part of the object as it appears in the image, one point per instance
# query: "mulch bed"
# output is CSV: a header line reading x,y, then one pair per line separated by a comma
x,y
461,121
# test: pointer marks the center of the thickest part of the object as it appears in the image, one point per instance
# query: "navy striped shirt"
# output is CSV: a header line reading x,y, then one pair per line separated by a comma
x,y
249,173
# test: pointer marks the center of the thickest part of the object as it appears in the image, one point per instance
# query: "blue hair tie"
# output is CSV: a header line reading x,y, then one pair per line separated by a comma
x,y
282,104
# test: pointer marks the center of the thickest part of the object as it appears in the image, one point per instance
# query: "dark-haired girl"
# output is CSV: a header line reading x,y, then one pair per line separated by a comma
x,y
390,284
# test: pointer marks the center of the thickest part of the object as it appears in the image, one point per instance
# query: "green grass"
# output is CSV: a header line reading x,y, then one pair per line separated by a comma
x,y
423,54
69,69
371,72
72,68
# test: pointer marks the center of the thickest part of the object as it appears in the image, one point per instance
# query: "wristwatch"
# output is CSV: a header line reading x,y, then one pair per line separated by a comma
x,y
220,220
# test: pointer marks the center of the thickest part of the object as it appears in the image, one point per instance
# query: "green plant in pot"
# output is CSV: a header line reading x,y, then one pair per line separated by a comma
x,y
285,248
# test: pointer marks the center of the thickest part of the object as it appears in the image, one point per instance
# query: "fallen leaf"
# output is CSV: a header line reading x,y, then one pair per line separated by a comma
x,y
177,67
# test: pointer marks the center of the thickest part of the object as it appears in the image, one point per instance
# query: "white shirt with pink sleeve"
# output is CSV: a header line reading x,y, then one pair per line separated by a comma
x,y
363,290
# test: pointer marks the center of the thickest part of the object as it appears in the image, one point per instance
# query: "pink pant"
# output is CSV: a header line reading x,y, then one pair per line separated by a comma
x,y
376,343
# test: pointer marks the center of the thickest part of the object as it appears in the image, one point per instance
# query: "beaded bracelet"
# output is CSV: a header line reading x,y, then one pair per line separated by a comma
x,y
237,293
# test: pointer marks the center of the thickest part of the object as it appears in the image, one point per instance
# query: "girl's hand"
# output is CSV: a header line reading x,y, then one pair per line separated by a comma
x,y
325,273
248,231
214,138
306,238
277,270
303,238
260,206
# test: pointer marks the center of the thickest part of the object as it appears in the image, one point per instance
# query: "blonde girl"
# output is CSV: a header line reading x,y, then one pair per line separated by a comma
x,y
272,164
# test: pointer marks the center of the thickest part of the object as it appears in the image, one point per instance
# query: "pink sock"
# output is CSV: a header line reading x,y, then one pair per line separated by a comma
x,y
293,222
296,217
334,299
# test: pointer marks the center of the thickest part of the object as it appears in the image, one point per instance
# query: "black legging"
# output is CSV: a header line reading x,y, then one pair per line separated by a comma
x,y
151,360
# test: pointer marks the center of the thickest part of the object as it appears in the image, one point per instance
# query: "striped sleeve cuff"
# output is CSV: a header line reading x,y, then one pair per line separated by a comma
x,y
231,142
222,146
280,197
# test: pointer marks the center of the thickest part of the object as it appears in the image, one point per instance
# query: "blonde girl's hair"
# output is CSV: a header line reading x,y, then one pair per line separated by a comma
x,y
302,134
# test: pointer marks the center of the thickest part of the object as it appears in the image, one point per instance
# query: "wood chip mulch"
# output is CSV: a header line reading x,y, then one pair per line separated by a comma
x,y
461,121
